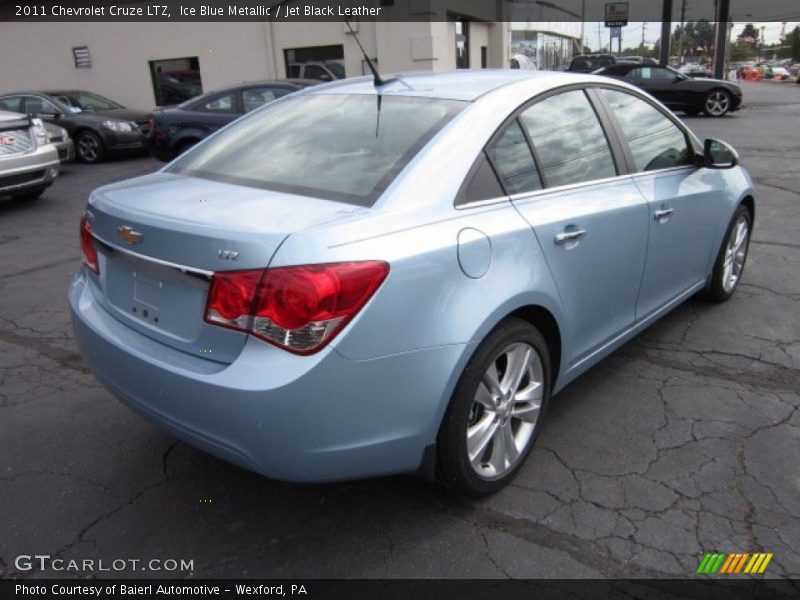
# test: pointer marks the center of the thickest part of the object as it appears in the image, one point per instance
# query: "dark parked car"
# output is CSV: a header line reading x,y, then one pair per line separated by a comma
x,y
586,63
175,129
641,60
714,97
97,125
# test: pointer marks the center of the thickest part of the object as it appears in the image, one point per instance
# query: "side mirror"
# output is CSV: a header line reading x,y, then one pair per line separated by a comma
x,y
325,77
719,155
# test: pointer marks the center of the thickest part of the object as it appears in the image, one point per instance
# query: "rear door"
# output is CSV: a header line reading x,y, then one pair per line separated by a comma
x,y
588,216
683,199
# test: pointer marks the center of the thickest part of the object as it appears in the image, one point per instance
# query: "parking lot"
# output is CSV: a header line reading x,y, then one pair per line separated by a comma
x,y
684,441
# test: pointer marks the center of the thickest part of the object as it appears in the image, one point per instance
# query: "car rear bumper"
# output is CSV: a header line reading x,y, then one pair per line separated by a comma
x,y
21,172
315,418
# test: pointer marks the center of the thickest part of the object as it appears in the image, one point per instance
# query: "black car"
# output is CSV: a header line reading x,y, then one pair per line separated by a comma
x,y
97,125
714,97
175,129
586,63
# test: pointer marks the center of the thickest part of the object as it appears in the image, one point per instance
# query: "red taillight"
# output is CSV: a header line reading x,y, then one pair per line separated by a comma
x,y
298,308
87,245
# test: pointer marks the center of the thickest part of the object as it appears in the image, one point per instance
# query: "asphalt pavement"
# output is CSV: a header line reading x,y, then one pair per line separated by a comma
x,y
685,441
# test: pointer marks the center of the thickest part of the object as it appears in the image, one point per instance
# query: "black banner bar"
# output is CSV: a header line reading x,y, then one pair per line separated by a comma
x,y
716,588
379,10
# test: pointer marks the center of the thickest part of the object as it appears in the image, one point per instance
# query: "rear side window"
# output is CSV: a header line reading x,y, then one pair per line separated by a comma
x,y
345,147
257,97
12,103
655,141
569,142
224,103
513,161
481,184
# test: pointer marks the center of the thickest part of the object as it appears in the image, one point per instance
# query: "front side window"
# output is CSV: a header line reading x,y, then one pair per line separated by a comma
x,y
654,73
513,161
345,147
655,141
570,144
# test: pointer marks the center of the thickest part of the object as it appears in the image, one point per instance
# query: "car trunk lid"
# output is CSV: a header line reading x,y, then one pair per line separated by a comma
x,y
160,238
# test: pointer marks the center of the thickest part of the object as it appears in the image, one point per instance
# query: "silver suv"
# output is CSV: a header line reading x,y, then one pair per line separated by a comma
x,y
28,162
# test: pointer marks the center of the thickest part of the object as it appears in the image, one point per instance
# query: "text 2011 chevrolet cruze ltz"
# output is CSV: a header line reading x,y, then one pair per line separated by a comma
x,y
360,280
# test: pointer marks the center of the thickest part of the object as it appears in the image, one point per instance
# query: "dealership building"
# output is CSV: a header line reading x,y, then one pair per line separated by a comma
x,y
142,64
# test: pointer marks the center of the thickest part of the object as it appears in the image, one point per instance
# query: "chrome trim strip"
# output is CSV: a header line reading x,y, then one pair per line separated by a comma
x,y
480,203
158,261
571,186
667,171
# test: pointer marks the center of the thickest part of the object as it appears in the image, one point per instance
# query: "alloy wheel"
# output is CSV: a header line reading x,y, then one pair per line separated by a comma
x,y
717,103
735,254
505,410
88,147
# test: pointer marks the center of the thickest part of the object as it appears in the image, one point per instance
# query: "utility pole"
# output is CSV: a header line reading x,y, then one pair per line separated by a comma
x,y
644,28
583,24
599,37
683,32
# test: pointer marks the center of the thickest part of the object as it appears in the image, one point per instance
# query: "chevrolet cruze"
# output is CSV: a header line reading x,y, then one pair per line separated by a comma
x,y
360,280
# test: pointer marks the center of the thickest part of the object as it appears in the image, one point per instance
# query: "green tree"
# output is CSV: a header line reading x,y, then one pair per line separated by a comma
x,y
790,45
702,36
742,51
749,31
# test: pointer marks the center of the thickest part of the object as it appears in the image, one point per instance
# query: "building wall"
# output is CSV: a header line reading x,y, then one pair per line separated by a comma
x,y
39,55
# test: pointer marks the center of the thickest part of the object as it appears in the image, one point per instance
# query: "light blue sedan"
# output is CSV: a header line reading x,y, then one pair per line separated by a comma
x,y
357,281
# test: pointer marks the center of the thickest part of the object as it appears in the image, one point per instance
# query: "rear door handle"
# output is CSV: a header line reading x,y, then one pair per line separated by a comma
x,y
570,236
663,215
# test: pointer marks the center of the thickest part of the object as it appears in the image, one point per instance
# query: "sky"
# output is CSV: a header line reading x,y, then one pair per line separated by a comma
x,y
632,34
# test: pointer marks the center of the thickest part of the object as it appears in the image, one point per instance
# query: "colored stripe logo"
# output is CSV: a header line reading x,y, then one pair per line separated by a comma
x,y
740,562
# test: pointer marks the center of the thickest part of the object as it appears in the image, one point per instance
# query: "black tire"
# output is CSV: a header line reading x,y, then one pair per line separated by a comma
x,y
89,148
717,102
454,468
31,194
719,288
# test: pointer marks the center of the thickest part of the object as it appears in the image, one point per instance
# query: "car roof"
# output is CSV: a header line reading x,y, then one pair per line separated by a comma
x,y
460,84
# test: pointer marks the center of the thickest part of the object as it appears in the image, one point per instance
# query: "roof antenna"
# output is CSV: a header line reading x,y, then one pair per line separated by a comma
x,y
376,77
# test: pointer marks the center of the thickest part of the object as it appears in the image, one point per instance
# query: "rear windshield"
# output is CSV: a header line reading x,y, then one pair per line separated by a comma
x,y
340,147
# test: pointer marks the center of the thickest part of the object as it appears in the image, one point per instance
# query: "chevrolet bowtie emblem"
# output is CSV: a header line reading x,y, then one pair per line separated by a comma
x,y
129,236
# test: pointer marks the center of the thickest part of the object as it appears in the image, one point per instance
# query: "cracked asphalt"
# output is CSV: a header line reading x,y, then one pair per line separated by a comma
x,y
685,441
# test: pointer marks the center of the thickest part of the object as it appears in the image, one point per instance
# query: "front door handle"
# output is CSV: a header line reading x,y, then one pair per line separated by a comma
x,y
570,236
663,215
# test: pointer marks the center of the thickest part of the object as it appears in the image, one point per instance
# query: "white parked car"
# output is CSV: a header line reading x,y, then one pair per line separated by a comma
x,y
28,161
